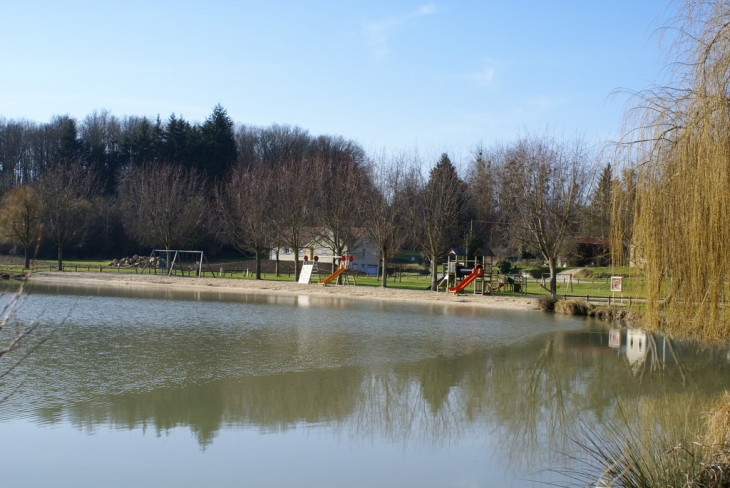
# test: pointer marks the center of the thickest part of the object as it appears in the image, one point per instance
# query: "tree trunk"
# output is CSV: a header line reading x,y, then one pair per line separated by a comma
x,y
60,257
384,277
276,269
296,263
27,257
553,278
434,273
258,264
168,261
335,259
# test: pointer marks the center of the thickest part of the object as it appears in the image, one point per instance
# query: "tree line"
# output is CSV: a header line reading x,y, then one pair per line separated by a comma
x,y
107,186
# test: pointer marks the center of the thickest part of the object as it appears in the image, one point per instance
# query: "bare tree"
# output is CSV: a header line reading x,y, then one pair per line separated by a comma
x,y
340,183
279,143
385,204
101,134
68,192
245,205
439,210
294,206
542,187
21,211
162,205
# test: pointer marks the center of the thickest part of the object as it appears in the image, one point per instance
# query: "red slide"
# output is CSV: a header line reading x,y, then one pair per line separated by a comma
x,y
476,273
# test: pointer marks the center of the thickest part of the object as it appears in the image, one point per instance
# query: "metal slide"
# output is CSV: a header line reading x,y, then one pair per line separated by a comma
x,y
334,275
476,273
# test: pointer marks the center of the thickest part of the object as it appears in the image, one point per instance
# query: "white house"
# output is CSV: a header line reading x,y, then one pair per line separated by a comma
x,y
318,243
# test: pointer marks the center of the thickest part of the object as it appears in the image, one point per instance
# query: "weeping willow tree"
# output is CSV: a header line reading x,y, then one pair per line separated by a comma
x,y
680,230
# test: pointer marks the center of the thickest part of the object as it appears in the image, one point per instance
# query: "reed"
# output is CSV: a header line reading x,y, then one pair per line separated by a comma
x,y
634,453
573,307
717,433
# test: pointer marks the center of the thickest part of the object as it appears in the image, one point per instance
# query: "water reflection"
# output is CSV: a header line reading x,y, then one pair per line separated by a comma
x,y
424,376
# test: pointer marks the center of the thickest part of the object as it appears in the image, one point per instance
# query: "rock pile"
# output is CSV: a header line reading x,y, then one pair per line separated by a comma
x,y
135,262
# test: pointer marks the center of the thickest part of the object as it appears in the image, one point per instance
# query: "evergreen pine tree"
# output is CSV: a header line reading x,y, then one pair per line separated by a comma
x,y
218,144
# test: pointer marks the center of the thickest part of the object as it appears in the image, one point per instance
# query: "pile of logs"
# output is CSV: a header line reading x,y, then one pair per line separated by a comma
x,y
135,262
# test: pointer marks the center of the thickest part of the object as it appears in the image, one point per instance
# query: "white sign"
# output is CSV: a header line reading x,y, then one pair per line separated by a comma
x,y
617,283
306,274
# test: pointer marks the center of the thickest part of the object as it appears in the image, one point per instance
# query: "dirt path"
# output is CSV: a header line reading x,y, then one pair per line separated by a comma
x,y
495,301
569,272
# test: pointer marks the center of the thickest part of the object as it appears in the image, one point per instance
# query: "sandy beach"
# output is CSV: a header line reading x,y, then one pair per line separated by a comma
x,y
228,285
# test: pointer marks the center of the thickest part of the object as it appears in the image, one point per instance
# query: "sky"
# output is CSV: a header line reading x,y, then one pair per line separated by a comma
x,y
435,75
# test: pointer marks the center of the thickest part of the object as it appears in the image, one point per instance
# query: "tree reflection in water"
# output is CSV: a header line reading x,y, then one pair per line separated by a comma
x,y
430,388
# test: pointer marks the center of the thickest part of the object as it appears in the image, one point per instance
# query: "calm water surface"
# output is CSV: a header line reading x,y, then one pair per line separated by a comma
x,y
154,388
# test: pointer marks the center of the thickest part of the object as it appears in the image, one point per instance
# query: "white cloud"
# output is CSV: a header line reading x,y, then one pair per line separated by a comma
x,y
377,32
429,8
483,77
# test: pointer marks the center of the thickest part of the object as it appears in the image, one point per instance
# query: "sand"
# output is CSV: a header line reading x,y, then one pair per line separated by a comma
x,y
228,285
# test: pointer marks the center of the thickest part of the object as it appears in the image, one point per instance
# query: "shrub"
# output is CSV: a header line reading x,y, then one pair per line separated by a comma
x,y
503,266
546,303
573,307
584,273
537,271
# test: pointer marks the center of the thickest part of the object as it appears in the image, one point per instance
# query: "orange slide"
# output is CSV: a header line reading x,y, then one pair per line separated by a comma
x,y
476,273
334,275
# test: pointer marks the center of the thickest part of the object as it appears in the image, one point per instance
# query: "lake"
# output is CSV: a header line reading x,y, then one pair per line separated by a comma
x,y
139,387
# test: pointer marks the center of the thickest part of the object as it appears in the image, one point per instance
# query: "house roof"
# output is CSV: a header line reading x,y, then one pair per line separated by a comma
x,y
319,235
483,251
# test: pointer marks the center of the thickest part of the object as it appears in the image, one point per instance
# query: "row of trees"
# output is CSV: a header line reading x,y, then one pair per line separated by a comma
x,y
108,143
107,185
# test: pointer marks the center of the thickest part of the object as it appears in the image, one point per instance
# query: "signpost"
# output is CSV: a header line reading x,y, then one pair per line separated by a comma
x,y
617,286
617,283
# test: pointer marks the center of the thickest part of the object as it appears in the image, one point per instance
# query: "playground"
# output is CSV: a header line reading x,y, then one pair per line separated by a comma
x,y
591,283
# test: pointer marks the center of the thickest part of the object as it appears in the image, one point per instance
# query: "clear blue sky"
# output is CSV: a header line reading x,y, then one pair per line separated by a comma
x,y
442,75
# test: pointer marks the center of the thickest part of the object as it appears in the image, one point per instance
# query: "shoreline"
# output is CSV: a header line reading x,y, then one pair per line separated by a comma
x,y
285,288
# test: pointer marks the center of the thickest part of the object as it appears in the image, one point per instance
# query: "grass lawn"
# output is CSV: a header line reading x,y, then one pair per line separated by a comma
x,y
599,287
